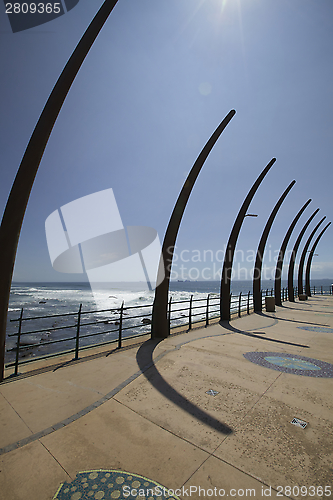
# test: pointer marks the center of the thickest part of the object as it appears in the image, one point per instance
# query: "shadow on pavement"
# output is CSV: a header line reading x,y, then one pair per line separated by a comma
x,y
258,335
145,361
301,309
291,320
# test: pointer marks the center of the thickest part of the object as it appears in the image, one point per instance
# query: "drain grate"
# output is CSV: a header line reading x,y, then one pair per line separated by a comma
x,y
211,392
299,423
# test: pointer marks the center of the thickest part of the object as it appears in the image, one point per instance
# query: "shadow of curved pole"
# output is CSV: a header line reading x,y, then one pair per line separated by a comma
x,y
228,326
257,302
291,295
308,265
293,320
279,264
145,361
302,259
160,325
230,250
18,199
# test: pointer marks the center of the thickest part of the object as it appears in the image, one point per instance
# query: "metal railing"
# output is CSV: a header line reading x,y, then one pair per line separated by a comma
x,y
181,313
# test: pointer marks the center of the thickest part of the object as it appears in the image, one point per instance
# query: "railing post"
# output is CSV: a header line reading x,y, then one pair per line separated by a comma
x,y
207,311
271,292
314,290
18,343
266,292
169,314
239,304
230,297
248,302
120,325
321,289
78,333
190,314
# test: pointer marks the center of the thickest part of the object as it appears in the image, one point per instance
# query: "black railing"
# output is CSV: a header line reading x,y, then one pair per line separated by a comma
x,y
180,314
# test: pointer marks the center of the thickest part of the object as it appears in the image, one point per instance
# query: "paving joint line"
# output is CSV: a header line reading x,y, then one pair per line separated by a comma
x,y
12,407
260,397
164,428
46,448
231,465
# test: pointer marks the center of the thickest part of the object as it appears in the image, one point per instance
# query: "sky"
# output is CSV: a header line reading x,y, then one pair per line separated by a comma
x,y
158,80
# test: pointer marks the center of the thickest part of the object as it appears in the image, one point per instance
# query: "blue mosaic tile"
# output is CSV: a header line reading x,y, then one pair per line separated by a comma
x,y
316,329
291,363
112,484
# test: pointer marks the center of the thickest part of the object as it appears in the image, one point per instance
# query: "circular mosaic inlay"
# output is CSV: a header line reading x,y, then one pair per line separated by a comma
x,y
296,364
316,329
113,484
291,363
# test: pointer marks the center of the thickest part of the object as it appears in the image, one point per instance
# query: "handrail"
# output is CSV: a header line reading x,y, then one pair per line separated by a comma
x,y
196,313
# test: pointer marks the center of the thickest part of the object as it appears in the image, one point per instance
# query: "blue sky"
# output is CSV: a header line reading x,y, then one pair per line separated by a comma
x,y
159,79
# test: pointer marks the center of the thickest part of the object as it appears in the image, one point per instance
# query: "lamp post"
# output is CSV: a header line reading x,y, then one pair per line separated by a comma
x,y
291,295
302,259
160,324
308,265
257,301
18,199
230,250
279,264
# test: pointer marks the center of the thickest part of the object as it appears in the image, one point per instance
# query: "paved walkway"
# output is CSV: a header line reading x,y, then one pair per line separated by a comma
x,y
209,409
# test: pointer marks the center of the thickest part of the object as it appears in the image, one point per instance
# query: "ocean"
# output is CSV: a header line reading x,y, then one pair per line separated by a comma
x,y
54,299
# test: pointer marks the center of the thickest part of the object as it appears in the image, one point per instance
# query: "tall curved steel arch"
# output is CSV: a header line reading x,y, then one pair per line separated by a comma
x,y
308,265
17,202
230,250
279,264
291,295
302,259
257,303
160,326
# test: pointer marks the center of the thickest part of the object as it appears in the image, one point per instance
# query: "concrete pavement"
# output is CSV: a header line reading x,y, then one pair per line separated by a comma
x,y
145,411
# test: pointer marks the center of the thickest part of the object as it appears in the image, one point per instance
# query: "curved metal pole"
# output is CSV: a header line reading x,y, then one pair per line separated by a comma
x,y
291,295
160,327
279,264
257,302
230,250
308,265
302,259
20,192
